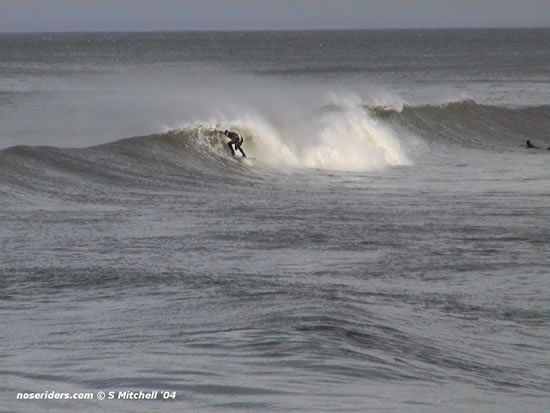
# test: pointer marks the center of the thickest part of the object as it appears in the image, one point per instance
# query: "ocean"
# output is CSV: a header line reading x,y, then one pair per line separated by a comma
x,y
388,249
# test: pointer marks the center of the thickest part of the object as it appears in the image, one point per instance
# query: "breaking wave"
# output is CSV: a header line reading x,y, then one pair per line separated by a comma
x,y
335,137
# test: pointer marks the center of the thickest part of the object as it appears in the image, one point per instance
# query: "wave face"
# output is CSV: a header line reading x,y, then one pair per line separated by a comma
x,y
335,137
469,124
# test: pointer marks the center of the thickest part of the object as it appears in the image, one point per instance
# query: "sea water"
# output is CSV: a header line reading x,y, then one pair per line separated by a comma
x,y
387,250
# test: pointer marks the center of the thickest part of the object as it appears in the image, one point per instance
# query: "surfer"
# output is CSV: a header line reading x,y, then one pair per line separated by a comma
x,y
236,140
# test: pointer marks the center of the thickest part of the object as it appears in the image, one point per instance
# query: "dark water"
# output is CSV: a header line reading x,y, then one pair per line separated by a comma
x,y
387,250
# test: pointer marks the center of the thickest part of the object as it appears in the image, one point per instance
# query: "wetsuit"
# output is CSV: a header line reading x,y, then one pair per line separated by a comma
x,y
237,141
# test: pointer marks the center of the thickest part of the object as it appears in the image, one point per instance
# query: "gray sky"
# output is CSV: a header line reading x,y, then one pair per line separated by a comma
x,y
91,15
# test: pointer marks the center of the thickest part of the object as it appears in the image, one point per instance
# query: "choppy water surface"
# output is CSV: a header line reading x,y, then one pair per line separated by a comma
x,y
387,249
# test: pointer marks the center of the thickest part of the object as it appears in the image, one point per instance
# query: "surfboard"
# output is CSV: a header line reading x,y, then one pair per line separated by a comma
x,y
243,158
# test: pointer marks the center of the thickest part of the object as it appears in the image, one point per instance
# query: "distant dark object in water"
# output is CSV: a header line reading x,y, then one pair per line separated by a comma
x,y
528,144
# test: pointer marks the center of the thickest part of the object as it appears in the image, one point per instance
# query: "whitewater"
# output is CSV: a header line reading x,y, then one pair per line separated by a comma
x,y
387,249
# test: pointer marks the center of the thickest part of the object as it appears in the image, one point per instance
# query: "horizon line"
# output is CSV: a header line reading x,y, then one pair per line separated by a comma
x,y
274,30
